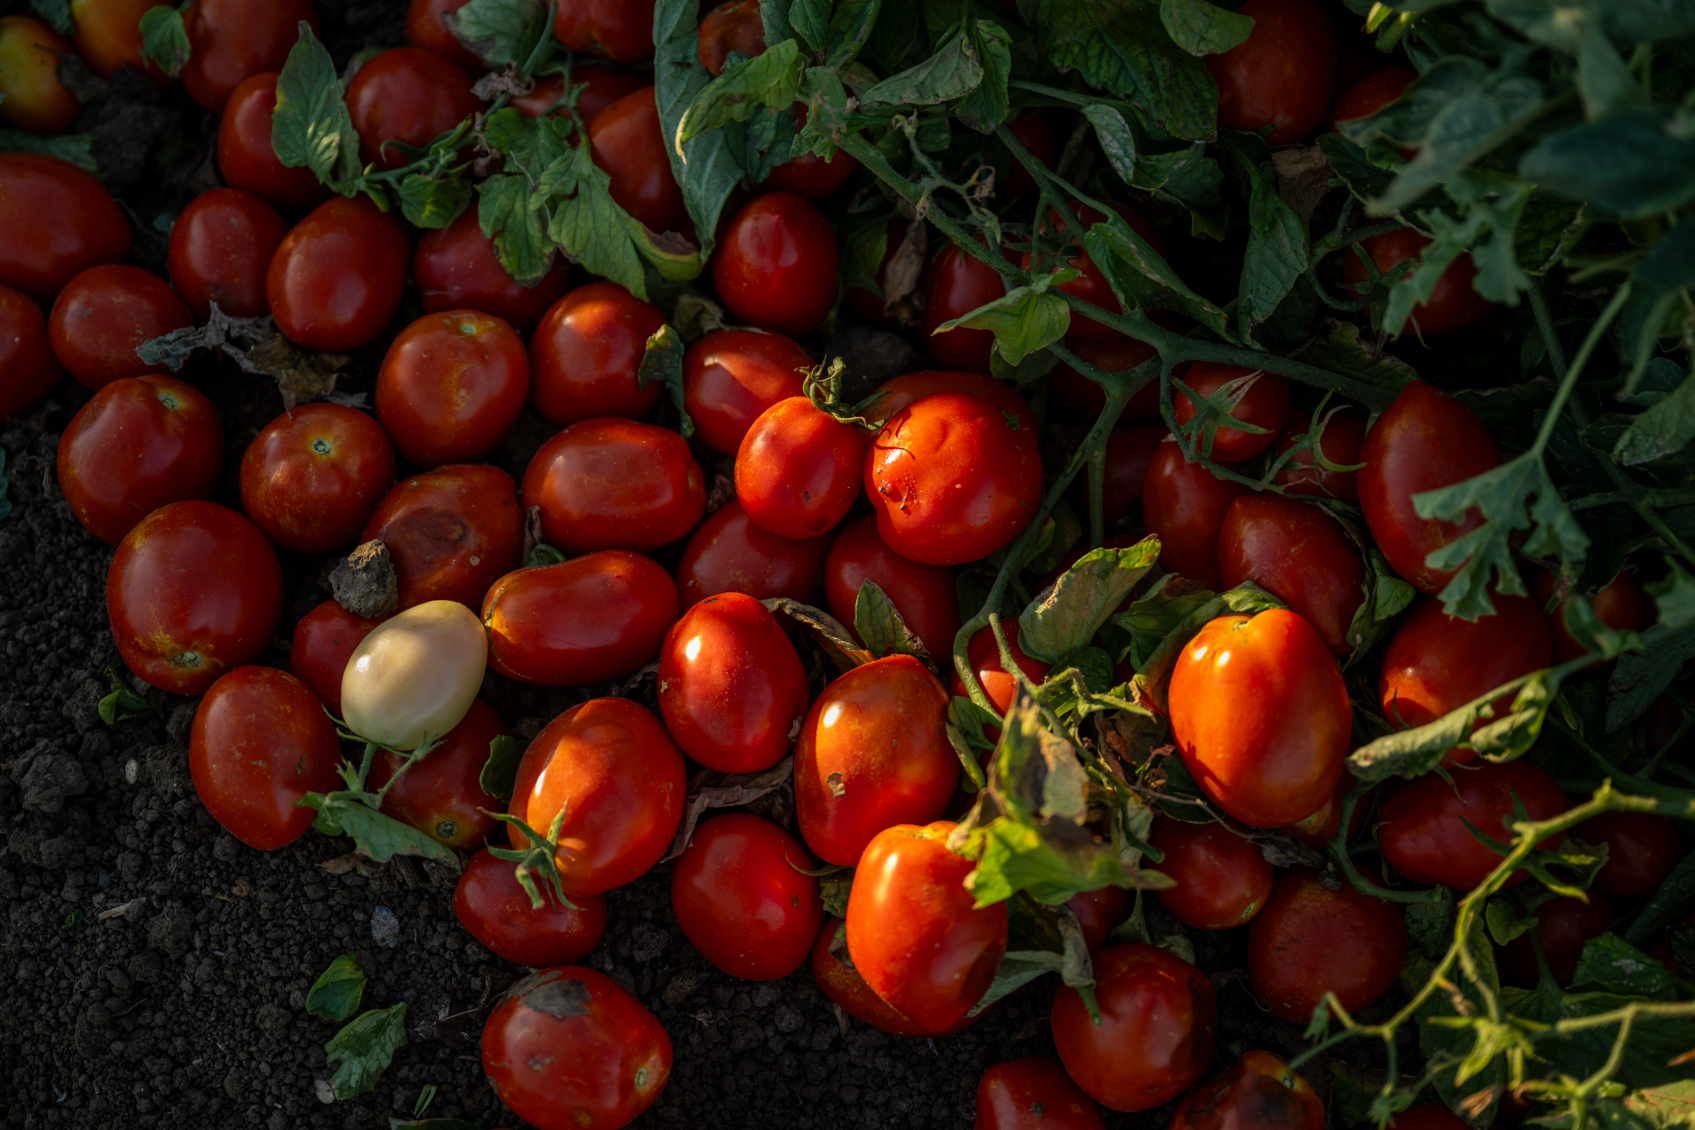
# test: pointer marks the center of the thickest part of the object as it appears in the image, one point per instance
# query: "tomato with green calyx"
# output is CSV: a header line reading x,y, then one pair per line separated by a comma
x,y
743,897
457,269
337,278
1118,354
628,143
1452,305
1263,403
1036,132
843,985
1343,435
871,306
408,96
1099,912
313,476
776,265
451,532
1282,76
954,285
608,483
104,314
87,227
728,553
1184,505
221,246
1642,848
426,28
451,386
232,40
1090,285
415,675
587,353
108,36
1301,555
1033,1094
1370,94
798,469
731,377
324,640
1564,926
1222,879
734,25
621,30
1437,663
491,904
1422,825
1309,940
1257,1092
260,742
911,387
246,157
602,86
1129,453
809,175
28,369
1619,606
924,595
441,793
1320,826
33,97
983,654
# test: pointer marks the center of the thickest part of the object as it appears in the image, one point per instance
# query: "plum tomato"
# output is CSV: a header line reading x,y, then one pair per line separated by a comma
x,y
734,25
602,86
587,352
607,483
730,377
1437,663
924,595
1437,1116
426,28
1090,285
810,175
1034,1094
451,386
338,276
628,143
914,931
193,591
104,314
954,285
620,30
1423,441
232,40
607,1057
1184,505
441,794
1034,130
1320,826
1642,848
983,655
34,98
843,985
798,469
137,444
245,156
451,532
1262,401
1099,912
744,899
28,369
415,675
1618,605
1128,454
1452,305
108,35
1309,940
1282,76
1222,879
457,269
609,765
324,640
409,96
88,228
1341,436
953,478
1118,354
1371,93
1261,716
1422,825
313,476
582,621
868,304
1257,1092
221,246
873,752
1563,925
494,907
1155,1038
731,685
910,387
1301,555
260,742
776,265
728,553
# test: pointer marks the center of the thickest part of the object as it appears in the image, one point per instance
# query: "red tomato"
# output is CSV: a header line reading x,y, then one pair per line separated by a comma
x,y
984,656
607,1057
1155,1037
1423,441
1642,848
621,30
1118,354
108,35
587,352
602,87
1319,827
1309,940
1222,879
798,469
442,795
810,175
776,265
1258,1092
1422,825
614,771
731,685
245,156
615,484
1437,1116
35,99
628,142
1091,285
1564,925
324,640
221,245
843,985
743,897
1263,403
1184,504
734,25
911,387
728,553
1282,75
491,904
260,742
1033,1094
104,314
1343,435
451,386
1035,131
873,752
871,306
1371,93
426,28
1453,305
1618,605
409,96
312,477
1437,663
28,369
1099,912
732,376
913,930
451,532
1663,721
1128,455
924,595
232,40
1301,555
457,269
337,278
954,285
582,621
193,591
137,444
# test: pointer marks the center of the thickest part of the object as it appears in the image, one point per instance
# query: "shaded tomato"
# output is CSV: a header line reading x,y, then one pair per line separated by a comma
x,y
451,532
193,591
910,387
456,268
612,769
1664,733
728,553
1452,305
1422,825
104,314
28,369
87,227
337,277
602,86
1117,354
313,476
810,175
451,386
491,904
415,676
798,469
232,40
954,285
984,656
734,25
1184,505
743,897
221,246
1642,848
1437,1116
1282,75
409,96
776,265
924,595
34,98
1035,131
441,794
1564,926
1262,400
108,36
608,483
627,141
260,742
1222,879
1090,285
872,305
139,443
587,352
1033,1094
1437,663
1618,605
1128,455
1342,435
731,377
1371,93
1099,912
1257,1092
245,155
426,28
1301,555
1320,826
843,985
1309,940
621,30
323,642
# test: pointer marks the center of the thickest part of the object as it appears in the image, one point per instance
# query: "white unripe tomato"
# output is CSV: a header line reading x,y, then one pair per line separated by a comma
x,y
415,676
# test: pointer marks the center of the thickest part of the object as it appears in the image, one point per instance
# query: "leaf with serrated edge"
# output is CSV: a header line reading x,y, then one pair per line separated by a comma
x,y
1066,615
878,623
768,79
310,125
377,837
1122,46
708,169
164,39
364,1048
500,31
952,72
1201,28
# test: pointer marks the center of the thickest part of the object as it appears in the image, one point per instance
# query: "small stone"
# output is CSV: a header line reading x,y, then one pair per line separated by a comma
x,y
50,778
56,852
365,583
385,927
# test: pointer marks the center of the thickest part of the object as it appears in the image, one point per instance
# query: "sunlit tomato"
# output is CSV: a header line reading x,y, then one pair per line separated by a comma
x,y
491,903
1033,1094
843,985
586,354
1618,605
137,444
1320,826
1371,93
1301,555
1423,441
609,765
734,25
324,641
456,269
313,476
87,227
798,469
1257,1092
245,156
451,532
924,595
627,141
776,265
1422,824
260,742
1128,455
607,1057
337,278
743,897
602,86
728,553
193,591
1184,504
1118,354
1309,940
28,369
426,28
451,386
1564,925
1282,75
108,35
954,285
1263,403
1453,305
1091,285
35,99
1642,848
621,30
441,794
415,675
984,656
409,96
1222,879
221,246
608,483
1343,435
1155,1038
104,314
810,175
910,387
914,931
1035,131
1437,663
730,377
873,752
1099,912
232,40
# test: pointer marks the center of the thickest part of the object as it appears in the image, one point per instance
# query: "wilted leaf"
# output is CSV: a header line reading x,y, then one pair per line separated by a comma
x,y
1066,616
364,1048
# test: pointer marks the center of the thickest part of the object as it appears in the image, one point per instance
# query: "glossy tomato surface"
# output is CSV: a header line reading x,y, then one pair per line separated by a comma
x,y
232,40
843,985
798,469
1310,940
1563,926
924,595
1452,305
491,904
312,477
743,897
1320,826
1437,663
1033,1094
1341,436
1422,824
456,268
451,386
954,285
621,30
426,28
732,376
323,642
1301,555
415,676
1184,505
104,314
1282,76
909,387
628,143
108,35
1222,879
1099,912
1261,401
1642,848
409,96
587,353
728,553
28,369
441,793
776,265
607,483
983,654
246,157
1257,1092
34,98
809,175
88,228
451,532
337,278
221,246
734,25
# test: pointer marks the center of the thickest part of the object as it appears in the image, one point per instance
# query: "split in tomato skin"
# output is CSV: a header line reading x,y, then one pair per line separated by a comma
x,y
88,227
1282,76
1263,403
607,483
491,904
1309,940
34,98
1184,505
798,469
1257,1092
323,642
1452,305
338,276
954,285
426,28
924,595
587,353
451,532
1301,555
776,265
628,143
221,246
409,96
1422,824
621,30
743,898
1564,925
104,314
312,477
1618,605
457,269
1341,440
843,985
232,40
1033,1094
730,378
1437,663
1222,879
28,369
1642,848
246,157
441,793
451,386
728,553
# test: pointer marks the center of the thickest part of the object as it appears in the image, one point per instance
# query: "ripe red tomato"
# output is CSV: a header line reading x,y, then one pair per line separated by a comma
x,y
312,477
104,314
1318,828
618,777
587,352
1343,437
193,591
914,931
442,795
1282,76
232,40
1258,1092
728,553
245,156
1035,131
798,469
337,278
108,35
1128,454
954,285
873,752
1222,879
1184,505
451,532
1453,305
1564,925
743,897
621,30
1155,1038
871,306
1371,93
607,1057
911,387
409,96
608,483
1422,825
1618,605
1642,848
1301,555
260,742
924,595
1118,354
628,142
734,25
984,656
1309,940
35,99
1437,663
221,246
426,28
456,269
582,621
602,86
323,642
1437,1116
87,227
1091,285
810,175
843,985
730,377
28,369
1033,1094
137,444
451,386
1099,912
1423,441
776,265
1264,403
490,903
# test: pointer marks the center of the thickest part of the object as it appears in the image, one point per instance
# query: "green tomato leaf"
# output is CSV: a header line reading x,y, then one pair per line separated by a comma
x,y
77,148
708,168
1117,140
164,39
1613,965
1387,596
1345,350
377,837
364,1048
1024,320
1674,596
500,771
1277,250
987,106
57,13
430,202
1162,612
952,72
588,224
122,704
1491,206
769,79
1066,616
774,18
810,20
878,624
1676,894
1017,969
662,360
1412,753
1633,164
499,31
1640,677
510,216
310,126
336,994
1430,924
1650,1055
1505,922
1122,46
1659,287
1140,277
851,28
1201,28
1365,179
1664,429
